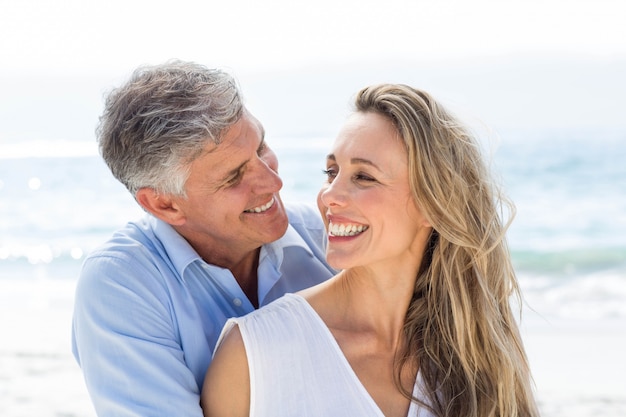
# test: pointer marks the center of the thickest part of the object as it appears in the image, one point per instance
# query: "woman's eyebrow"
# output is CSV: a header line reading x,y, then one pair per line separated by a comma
x,y
364,161
355,161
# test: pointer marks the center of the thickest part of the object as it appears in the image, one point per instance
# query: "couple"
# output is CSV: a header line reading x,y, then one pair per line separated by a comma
x,y
417,321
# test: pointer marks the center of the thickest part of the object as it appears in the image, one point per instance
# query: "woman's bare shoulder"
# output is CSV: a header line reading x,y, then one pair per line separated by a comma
x,y
226,389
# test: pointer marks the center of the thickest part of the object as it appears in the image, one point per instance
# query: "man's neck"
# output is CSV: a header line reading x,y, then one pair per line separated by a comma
x,y
245,272
243,266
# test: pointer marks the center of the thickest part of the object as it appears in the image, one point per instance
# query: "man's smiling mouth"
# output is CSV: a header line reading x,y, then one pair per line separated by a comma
x,y
262,208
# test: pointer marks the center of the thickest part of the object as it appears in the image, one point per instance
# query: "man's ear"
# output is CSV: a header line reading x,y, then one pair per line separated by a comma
x,y
161,206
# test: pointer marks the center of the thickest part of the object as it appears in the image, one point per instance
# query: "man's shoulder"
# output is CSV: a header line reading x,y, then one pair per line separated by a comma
x,y
131,257
306,221
134,247
303,215
135,236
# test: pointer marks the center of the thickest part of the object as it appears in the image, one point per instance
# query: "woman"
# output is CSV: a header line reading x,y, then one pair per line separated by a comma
x,y
418,321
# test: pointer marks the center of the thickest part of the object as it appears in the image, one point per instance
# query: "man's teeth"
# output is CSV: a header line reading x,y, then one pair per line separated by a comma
x,y
262,208
345,229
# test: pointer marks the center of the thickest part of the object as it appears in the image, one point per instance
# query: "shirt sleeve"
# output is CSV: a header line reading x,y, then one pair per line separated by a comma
x,y
125,339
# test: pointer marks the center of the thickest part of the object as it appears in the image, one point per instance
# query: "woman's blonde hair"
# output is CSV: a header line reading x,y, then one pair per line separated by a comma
x,y
459,328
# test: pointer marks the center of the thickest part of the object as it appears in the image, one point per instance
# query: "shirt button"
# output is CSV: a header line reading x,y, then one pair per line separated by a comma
x,y
237,302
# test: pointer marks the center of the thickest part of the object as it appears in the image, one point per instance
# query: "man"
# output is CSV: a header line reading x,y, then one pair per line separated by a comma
x,y
217,241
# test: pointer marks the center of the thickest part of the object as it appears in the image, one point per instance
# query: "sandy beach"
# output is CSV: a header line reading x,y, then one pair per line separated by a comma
x,y
39,376
578,367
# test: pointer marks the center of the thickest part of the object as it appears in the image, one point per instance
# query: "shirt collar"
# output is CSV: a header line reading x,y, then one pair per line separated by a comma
x,y
176,247
181,253
275,251
271,259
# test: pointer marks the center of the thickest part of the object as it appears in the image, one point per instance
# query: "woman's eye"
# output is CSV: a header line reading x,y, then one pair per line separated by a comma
x,y
363,177
330,173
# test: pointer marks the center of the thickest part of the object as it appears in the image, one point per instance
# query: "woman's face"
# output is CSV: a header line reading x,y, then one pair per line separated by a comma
x,y
366,202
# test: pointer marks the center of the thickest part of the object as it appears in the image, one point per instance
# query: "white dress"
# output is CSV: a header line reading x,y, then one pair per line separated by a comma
x,y
297,369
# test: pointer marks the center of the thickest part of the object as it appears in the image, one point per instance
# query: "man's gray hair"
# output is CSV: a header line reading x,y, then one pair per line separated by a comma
x,y
156,124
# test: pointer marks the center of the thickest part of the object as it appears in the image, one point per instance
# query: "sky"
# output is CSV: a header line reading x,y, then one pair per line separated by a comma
x,y
251,35
543,63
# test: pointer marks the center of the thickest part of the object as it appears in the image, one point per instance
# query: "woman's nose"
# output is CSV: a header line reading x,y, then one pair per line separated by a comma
x,y
333,194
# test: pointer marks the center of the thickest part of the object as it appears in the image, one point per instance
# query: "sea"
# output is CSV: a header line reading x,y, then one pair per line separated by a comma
x,y
58,201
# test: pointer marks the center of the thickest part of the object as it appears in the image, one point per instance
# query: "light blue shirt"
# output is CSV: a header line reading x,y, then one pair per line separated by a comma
x,y
148,311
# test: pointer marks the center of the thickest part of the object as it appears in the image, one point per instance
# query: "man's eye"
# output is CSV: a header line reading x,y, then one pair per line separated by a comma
x,y
262,149
234,180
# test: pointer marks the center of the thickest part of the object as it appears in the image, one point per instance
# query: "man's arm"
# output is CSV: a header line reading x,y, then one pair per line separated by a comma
x,y
125,340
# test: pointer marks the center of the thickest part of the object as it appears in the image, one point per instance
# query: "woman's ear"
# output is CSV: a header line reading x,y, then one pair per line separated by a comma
x,y
161,206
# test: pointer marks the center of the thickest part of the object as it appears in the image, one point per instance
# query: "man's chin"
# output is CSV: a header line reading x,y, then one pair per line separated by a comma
x,y
278,227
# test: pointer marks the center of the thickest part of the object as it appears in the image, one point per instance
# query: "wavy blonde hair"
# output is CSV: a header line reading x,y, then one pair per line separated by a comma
x,y
459,328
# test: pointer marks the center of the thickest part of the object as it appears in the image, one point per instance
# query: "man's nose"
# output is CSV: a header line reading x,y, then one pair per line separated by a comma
x,y
266,178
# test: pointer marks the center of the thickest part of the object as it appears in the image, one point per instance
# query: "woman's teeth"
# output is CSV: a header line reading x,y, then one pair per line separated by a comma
x,y
345,229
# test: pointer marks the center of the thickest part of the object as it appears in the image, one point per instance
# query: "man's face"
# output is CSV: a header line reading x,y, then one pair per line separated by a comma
x,y
232,205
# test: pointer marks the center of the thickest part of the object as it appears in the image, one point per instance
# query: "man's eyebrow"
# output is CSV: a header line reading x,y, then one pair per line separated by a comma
x,y
235,171
238,169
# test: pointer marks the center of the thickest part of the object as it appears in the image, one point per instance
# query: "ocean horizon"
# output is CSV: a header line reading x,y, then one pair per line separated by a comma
x,y
59,201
